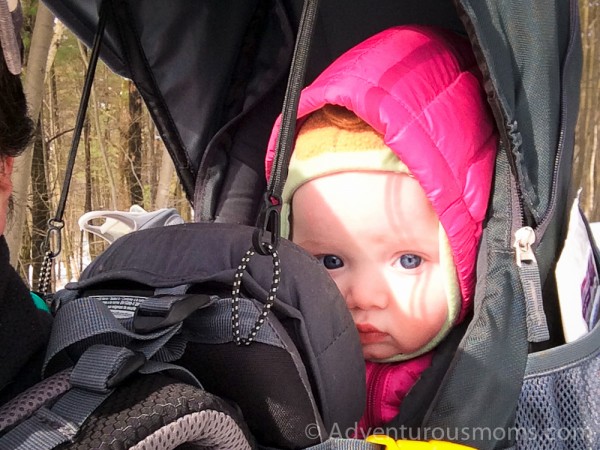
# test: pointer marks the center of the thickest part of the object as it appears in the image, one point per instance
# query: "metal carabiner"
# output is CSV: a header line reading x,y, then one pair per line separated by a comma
x,y
54,228
269,220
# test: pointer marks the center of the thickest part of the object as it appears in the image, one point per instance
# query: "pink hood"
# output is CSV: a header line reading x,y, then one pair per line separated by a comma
x,y
419,87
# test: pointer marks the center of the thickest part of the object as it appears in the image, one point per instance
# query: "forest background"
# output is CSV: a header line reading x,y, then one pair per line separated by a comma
x,y
122,160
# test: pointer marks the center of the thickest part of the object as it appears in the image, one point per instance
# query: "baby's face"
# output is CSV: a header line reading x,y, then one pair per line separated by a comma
x,y
377,235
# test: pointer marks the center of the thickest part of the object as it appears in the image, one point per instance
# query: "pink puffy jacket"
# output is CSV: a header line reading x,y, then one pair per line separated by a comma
x,y
420,88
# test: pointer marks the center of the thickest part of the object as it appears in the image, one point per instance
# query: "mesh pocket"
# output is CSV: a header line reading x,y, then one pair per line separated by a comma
x,y
559,405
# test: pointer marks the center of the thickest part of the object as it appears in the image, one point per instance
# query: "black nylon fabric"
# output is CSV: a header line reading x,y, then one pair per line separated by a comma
x,y
264,383
308,303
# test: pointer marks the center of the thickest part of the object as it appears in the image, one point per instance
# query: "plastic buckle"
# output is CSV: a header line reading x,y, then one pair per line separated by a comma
x,y
391,444
149,317
381,439
268,221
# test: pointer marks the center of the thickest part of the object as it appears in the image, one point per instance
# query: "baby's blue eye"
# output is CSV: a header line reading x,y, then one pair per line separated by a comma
x,y
331,262
410,261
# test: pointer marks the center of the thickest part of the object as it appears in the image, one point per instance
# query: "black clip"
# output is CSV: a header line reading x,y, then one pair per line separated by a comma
x,y
176,309
268,221
130,366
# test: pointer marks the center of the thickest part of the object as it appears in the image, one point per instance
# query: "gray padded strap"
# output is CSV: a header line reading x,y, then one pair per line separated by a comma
x,y
86,317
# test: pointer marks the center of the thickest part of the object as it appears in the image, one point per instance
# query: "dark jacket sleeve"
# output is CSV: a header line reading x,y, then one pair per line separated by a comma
x,y
24,332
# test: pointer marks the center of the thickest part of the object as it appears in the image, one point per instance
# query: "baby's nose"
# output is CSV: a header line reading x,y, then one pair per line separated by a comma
x,y
368,292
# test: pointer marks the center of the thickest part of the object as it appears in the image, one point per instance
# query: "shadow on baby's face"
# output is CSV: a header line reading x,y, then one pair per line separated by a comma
x,y
377,235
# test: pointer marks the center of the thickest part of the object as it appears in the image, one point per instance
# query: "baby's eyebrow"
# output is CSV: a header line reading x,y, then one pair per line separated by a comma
x,y
312,243
308,242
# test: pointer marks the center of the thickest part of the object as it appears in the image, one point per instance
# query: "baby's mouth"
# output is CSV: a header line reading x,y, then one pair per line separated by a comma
x,y
370,334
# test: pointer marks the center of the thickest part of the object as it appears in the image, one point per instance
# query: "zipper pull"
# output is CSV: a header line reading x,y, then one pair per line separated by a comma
x,y
524,239
529,273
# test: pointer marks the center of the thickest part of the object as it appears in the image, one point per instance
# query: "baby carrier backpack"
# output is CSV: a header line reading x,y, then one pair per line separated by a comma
x,y
504,380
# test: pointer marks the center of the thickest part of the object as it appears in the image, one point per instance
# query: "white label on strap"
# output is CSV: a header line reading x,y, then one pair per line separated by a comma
x,y
122,306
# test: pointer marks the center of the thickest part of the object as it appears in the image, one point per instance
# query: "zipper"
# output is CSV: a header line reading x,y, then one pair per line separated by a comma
x,y
525,237
545,221
529,273
374,389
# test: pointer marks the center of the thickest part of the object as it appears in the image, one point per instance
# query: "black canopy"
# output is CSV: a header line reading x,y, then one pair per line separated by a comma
x,y
203,66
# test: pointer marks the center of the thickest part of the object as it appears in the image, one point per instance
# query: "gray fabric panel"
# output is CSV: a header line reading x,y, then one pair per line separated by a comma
x,y
492,356
523,44
34,398
206,429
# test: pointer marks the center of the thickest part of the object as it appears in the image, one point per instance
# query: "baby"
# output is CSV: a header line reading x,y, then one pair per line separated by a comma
x,y
388,187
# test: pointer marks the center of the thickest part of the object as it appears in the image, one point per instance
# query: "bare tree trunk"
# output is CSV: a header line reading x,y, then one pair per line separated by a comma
x,y
94,246
587,160
40,211
34,88
101,144
163,190
59,30
131,144
134,146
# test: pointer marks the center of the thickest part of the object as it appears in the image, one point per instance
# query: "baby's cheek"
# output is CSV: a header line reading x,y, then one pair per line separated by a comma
x,y
436,304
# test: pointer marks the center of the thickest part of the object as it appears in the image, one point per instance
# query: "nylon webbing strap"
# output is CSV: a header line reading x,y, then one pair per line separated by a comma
x,y
285,138
268,217
213,326
346,444
171,369
537,325
98,365
43,431
84,318
48,428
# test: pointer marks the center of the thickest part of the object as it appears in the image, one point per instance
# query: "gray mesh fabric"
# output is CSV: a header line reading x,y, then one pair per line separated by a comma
x,y
559,405
32,399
